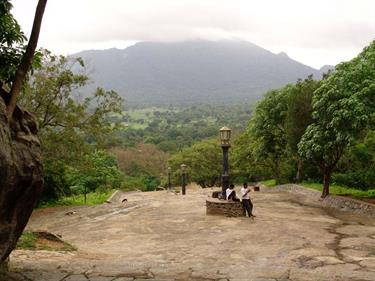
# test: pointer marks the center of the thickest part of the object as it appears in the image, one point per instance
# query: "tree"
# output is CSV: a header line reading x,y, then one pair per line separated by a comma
x,y
299,116
54,98
268,128
11,43
203,160
247,166
20,164
27,56
356,168
342,108
144,159
98,170
71,127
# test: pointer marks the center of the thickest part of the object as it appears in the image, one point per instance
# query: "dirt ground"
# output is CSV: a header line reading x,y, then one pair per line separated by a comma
x,y
164,236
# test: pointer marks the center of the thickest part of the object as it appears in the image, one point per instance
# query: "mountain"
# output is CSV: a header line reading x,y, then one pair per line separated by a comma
x,y
156,73
326,68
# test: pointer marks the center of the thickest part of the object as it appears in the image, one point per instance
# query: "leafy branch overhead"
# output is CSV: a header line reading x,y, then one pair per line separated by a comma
x,y
53,95
14,40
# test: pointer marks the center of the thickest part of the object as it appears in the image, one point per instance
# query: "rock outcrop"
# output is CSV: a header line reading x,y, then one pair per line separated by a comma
x,y
20,175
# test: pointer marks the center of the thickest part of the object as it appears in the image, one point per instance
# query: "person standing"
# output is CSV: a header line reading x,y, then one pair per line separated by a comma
x,y
246,202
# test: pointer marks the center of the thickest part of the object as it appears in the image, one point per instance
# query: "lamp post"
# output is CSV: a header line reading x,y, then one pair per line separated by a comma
x,y
169,178
225,134
183,169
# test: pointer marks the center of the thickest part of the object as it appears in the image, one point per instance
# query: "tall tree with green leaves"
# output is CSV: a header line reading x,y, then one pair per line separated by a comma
x,y
298,117
53,95
342,107
71,126
203,160
247,165
268,127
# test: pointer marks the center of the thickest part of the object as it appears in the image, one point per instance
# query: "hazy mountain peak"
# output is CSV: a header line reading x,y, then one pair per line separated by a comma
x,y
283,55
326,68
196,71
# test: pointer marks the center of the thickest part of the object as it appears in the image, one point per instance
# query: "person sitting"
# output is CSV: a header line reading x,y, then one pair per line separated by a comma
x,y
231,194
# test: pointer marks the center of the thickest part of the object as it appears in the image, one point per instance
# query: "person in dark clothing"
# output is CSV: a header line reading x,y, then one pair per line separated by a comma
x,y
246,202
231,193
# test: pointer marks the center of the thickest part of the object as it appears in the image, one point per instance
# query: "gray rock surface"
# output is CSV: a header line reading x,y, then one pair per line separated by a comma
x,y
169,237
20,175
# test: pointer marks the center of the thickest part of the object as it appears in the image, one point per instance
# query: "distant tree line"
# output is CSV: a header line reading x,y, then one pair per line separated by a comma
x,y
175,128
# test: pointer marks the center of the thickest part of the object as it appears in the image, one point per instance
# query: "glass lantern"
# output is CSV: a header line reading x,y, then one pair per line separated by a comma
x,y
225,134
183,167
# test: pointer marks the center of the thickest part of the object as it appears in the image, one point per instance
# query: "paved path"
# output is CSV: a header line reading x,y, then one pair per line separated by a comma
x,y
163,236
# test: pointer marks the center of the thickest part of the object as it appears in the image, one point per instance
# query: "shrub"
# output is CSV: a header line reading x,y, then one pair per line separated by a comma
x,y
363,180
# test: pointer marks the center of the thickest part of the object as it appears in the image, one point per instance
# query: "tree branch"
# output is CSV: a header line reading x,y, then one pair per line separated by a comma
x,y
26,58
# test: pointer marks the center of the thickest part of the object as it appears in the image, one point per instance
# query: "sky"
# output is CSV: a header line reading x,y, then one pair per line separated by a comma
x,y
316,33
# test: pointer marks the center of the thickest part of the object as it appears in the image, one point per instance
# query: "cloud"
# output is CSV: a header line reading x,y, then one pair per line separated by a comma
x,y
295,25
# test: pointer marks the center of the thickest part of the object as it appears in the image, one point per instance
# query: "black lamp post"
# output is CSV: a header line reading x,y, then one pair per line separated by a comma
x,y
183,169
169,178
225,134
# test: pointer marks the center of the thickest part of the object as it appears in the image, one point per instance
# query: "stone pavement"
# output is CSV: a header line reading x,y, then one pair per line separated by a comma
x,y
163,236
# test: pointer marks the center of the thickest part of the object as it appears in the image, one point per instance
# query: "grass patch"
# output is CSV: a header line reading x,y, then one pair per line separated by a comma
x,y
269,183
93,198
27,241
334,189
342,190
43,241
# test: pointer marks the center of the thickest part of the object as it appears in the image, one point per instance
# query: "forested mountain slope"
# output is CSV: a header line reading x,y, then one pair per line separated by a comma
x,y
191,72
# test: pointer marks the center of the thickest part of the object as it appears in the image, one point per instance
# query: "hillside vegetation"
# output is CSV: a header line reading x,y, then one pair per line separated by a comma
x,y
192,72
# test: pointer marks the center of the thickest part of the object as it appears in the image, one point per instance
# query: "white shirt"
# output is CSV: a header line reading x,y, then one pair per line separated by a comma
x,y
228,192
245,193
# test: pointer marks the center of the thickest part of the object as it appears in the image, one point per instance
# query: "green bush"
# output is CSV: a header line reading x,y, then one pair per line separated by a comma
x,y
95,171
362,180
92,198
143,183
98,170
55,183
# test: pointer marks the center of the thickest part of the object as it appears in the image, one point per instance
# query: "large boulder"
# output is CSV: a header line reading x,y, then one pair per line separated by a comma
x,y
20,175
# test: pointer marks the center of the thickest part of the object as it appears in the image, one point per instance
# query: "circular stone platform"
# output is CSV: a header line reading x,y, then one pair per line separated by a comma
x,y
218,207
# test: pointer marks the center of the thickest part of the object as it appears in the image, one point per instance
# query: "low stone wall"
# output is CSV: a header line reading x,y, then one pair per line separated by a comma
x,y
350,205
224,208
342,203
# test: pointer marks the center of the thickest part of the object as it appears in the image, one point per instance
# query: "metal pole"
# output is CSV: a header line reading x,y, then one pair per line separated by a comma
x,y
183,183
225,175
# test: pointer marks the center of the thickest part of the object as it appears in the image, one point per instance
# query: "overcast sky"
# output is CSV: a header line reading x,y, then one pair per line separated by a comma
x,y
314,32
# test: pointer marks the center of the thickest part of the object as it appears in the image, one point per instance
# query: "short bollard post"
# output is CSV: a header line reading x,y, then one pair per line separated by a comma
x,y
169,178
183,169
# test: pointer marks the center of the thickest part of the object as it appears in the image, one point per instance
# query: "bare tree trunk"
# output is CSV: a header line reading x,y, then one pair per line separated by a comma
x,y
298,178
326,182
276,171
26,59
